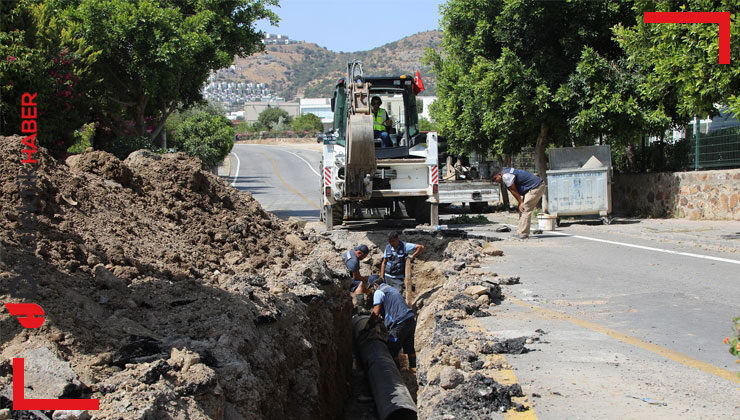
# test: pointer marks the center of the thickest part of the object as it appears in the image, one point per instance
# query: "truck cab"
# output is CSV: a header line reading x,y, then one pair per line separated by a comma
x,y
406,172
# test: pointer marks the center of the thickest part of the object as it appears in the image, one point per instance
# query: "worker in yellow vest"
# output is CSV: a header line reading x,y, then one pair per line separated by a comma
x,y
381,122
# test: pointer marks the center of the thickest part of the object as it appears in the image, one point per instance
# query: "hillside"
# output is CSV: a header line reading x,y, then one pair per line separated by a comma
x,y
309,70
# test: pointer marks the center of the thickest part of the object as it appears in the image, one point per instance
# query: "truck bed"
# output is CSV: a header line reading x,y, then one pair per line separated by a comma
x,y
469,192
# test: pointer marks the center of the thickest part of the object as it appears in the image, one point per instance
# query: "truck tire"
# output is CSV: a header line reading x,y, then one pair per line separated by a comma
x,y
423,211
337,213
410,205
478,207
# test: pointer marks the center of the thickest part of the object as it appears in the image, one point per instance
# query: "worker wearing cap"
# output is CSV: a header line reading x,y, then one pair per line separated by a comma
x,y
398,318
352,260
527,188
393,267
381,122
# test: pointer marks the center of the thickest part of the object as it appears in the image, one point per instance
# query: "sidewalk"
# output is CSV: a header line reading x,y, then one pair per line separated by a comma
x,y
712,235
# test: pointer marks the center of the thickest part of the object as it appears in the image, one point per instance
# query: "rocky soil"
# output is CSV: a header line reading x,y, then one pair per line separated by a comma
x,y
168,294
457,364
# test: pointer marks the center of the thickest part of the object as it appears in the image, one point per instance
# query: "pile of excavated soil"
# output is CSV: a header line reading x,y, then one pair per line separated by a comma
x,y
168,294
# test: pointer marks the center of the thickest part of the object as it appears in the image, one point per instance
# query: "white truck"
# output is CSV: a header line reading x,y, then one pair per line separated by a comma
x,y
357,172
468,184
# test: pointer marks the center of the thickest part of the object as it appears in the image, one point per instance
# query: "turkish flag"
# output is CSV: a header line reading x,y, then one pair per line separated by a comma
x,y
418,84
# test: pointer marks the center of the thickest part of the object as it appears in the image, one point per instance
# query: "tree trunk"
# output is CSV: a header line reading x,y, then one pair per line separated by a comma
x,y
539,159
140,123
504,160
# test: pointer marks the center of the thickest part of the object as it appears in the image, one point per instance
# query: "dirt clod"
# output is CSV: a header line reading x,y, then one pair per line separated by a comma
x,y
159,257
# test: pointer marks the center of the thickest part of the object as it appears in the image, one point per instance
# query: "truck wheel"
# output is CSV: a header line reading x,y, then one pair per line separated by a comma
x,y
337,213
423,211
410,205
478,207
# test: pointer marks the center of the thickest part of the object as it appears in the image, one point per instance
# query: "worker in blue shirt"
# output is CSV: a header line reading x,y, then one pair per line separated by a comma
x,y
398,318
527,188
393,267
359,286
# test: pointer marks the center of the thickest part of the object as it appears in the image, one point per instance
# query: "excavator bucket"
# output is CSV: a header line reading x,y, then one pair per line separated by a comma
x,y
360,156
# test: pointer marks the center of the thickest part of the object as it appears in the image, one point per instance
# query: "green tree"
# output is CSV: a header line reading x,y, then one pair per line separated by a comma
x,y
156,54
272,118
503,62
426,125
206,136
683,59
604,101
307,122
40,53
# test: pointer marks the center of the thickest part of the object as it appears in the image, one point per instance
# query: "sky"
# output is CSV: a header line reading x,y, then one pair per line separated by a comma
x,y
353,25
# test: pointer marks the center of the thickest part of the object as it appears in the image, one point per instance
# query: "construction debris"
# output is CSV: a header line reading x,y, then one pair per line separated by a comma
x,y
169,294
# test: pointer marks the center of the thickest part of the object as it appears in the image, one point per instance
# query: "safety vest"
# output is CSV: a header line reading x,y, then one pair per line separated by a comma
x,y
395,264
379,120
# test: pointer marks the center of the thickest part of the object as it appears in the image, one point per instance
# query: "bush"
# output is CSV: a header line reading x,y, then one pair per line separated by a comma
x,y
121,147
83,138
206,136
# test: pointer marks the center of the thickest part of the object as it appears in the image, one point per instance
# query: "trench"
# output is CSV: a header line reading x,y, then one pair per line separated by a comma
x,y
442,277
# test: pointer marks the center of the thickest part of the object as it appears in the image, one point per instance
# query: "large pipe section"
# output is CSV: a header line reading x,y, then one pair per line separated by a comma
x,y
392,398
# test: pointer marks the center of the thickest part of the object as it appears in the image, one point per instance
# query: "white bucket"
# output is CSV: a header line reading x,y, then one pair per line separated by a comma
x,y
546,222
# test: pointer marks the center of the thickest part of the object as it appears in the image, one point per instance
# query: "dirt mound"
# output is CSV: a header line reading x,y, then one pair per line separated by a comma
x,y
170,294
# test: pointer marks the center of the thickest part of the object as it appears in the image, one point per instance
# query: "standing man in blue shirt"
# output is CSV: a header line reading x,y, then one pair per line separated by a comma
x,y
398,318
527,188
393,267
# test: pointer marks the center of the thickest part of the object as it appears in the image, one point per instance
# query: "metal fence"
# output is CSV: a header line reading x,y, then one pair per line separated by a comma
x,y
719,149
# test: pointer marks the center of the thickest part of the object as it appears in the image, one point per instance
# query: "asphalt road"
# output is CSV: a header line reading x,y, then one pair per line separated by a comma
x,y
284,179
634,315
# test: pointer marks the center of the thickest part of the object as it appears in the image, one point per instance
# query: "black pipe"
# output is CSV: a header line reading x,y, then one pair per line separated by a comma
x,y
392,398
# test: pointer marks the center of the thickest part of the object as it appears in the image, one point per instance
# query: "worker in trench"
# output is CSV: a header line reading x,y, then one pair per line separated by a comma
x,y
391,308
393,267
527,188
359,287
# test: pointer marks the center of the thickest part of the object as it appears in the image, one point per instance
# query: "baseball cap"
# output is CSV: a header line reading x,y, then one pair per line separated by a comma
x,y
363,248
372,279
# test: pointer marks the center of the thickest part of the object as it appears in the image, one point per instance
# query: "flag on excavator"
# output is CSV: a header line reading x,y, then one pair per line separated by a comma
x,y
418,84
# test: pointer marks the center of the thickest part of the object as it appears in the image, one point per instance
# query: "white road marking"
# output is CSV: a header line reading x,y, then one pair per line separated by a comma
x,y
647,248
238,163
307,162
294,154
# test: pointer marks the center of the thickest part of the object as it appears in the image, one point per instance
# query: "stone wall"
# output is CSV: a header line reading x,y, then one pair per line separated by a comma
x,y
713,195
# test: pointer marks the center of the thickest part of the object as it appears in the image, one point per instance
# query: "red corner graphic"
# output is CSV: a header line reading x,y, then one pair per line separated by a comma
x,y
722,18
21,403
30,315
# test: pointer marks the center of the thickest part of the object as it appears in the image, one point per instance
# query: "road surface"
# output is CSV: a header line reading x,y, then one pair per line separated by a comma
x,y
634,315
284,179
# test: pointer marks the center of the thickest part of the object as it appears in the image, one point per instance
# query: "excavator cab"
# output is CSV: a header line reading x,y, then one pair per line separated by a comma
x,y
397,99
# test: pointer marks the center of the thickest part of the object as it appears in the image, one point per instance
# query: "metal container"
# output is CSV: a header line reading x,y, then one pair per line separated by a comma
x,y
579,181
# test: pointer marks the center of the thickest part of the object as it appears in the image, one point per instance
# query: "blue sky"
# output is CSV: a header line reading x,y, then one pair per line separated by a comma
x,y
328,23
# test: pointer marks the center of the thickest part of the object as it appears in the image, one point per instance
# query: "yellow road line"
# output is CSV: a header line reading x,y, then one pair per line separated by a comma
x,y
277,172
504,376
633,341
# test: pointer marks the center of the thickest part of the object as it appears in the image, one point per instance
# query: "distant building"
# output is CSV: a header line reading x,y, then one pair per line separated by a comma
x,y
252,110
427,100
321,107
